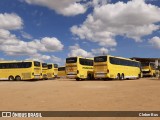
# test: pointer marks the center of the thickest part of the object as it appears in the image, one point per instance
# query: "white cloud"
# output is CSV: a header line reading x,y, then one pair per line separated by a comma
x,y
52,44
133,19
39,57
155,42
10,21
26,35
100,51
46,44
96,3
75,50
11,45
18,49
64,7
46,58
55,59
5,34
73,9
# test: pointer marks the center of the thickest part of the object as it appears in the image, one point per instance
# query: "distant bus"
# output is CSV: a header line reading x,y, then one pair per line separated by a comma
x,y
79,68
61,72
44,70
148,69
20,70
55,70
52,70
107,67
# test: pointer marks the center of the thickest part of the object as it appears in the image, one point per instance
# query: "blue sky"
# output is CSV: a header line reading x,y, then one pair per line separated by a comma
x,y
52,30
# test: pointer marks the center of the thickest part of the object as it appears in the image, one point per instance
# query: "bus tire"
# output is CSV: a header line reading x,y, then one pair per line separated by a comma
x,y
122,77
89,77
139,76
11,78
77,79
154,75
18,78
93,77
118,77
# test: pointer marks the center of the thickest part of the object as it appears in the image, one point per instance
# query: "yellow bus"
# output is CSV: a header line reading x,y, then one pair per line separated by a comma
x,y
148,69
52,70
111,67
55,70
20,70
79,68
44,70
61,72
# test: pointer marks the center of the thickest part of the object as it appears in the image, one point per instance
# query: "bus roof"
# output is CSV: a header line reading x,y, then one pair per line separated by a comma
x,y
14,61
61,66
81,57
119,57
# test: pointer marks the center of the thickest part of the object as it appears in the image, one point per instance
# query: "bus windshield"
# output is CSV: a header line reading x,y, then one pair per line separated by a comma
x,y
55,66
144,64
44,65
61,69
37,64
50,66
71,60
100,59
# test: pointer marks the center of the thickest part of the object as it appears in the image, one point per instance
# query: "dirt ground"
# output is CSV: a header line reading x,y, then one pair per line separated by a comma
x,y
71,95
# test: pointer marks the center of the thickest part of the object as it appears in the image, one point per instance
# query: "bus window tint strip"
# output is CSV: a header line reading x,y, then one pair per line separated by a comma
x,y
37,64
118,61
100,59
71,60
61,69
15,65
86,62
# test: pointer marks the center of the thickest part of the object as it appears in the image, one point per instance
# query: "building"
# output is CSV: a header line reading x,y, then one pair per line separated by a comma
x,y
156,60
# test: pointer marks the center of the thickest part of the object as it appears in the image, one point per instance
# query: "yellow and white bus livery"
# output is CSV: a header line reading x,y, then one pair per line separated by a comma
x,y
52,70
20,70
79,68
111,67
61,72
44,70
148,69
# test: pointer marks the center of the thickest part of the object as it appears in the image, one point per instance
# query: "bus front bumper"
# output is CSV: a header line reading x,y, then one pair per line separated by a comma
x,y
147,74
37,77
72,76
101,75
44,76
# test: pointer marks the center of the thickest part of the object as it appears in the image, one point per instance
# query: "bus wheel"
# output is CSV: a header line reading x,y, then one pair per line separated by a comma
x,y
77,79
122,77
139,76
17,78
89,77
154,75
11,78
118,76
